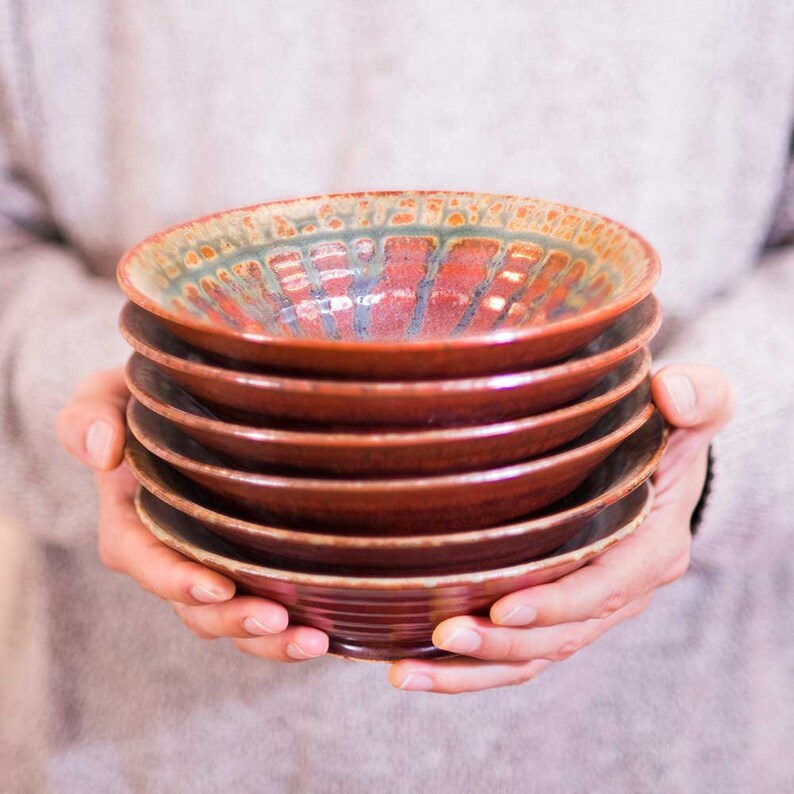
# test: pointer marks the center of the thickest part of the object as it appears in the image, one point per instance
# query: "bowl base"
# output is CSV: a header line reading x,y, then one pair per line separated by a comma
x,y
385,653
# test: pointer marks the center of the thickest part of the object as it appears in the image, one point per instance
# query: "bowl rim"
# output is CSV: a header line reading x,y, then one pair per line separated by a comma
x,y
505,336
390,388
617,491
428,483
394,438
385,583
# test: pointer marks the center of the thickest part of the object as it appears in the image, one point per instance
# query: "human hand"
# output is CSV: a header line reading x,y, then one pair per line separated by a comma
x,y
530,629
91,428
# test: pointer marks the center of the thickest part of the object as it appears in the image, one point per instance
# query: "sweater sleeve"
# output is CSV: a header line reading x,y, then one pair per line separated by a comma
x,y
748,335
57,324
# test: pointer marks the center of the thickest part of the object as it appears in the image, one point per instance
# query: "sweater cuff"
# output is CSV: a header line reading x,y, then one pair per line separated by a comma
x,y
700,507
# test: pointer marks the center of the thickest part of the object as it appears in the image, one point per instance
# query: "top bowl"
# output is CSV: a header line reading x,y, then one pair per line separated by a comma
x,y
392,284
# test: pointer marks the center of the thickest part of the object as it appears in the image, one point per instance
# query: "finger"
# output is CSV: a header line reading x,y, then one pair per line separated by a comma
x,y
243,616
679,480
296,644
693,396
126,546
481,639
91,426
656,554
469,675
456,676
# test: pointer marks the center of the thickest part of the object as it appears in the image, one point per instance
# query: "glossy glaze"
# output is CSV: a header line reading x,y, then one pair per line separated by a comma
x,y
388,618
258,398
380,451
390,284
621,473
442,503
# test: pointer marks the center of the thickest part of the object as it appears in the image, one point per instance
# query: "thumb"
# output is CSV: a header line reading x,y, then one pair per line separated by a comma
x,y
91,425
693,396
698,401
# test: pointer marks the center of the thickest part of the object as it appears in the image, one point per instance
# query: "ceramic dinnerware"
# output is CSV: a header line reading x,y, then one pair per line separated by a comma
x,y
442,503
388,618
620,474
381,451
257,398
392,284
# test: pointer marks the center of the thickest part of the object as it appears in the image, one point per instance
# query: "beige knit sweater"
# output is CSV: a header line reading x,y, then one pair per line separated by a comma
x,y
119,118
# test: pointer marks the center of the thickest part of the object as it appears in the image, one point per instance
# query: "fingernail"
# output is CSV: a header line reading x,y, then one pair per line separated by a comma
x,y
253,626
97,442
462,641
522,615
206,594
681,392
417,682
294,651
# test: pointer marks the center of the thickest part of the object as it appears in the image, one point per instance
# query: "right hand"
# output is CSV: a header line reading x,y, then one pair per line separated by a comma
x,y
91,428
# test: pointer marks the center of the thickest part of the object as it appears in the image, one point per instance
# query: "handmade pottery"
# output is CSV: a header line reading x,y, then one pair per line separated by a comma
x,y
388,618
257,398
381,451
392,284
442,503
620,474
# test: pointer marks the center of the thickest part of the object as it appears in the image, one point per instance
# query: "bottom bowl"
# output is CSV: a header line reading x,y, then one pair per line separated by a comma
x,y
388,618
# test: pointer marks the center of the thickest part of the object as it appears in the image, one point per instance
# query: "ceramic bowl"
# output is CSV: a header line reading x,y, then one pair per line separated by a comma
x,y
392,284
381,452
258,398
388,618
620,474
442,503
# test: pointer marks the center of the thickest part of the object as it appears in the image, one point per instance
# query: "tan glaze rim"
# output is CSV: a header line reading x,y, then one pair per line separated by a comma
x,y
396,439
417,484
583,320
192,510
392,388
385,583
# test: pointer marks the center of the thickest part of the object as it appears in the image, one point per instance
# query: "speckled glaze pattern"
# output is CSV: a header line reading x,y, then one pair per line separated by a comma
x,y
255,397
388,618
403,505
357,273
509,544
382,451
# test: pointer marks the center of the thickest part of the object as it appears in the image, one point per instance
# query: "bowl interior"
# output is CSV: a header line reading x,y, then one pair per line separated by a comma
x,y
385,267
154,341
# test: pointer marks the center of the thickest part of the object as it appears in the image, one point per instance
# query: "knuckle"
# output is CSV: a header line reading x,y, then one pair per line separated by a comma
x,y
614,599
202,635
523,677
109,556
513,647
677,568
572,643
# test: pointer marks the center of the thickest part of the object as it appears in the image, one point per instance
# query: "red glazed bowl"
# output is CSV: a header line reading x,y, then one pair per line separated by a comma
x,y
451,502
510,544
381,452
388,618
258,398
392,284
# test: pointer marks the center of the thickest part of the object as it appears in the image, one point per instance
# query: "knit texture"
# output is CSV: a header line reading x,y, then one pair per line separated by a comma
x,y
121,118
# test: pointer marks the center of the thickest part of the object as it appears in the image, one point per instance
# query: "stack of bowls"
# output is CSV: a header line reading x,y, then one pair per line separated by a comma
x,y
386,409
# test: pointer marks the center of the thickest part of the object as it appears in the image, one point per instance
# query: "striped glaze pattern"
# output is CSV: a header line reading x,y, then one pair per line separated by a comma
x,y
388,266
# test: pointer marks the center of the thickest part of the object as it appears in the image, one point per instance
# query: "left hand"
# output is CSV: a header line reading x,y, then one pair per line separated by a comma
x,y
530,629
